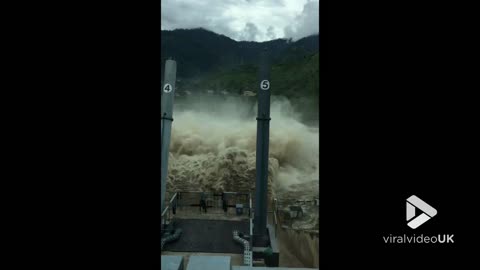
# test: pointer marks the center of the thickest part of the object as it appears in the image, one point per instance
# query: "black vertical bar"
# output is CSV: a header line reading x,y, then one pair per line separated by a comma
x,y
263,125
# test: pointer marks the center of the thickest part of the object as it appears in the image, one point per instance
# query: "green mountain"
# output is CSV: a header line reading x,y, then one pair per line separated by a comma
x,y
290,78
208,61
199,51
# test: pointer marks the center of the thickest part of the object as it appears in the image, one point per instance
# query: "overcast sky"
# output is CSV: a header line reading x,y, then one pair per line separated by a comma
x,y
252,20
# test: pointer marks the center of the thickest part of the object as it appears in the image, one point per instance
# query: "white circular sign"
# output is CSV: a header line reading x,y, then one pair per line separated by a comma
x,y
167,88
265,85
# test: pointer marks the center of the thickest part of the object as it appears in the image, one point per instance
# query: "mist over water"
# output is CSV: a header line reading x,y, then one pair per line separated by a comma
x,y
214,142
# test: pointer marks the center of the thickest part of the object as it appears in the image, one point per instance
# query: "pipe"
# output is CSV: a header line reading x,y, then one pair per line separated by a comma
x,y
263,126
168,92
171,237
246,248
244,242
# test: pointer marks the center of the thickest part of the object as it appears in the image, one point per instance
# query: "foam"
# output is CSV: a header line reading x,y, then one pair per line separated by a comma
x,y
214,140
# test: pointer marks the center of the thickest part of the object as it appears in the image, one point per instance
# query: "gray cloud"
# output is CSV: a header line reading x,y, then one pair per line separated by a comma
x,y
271,32
250,32
252,20
306,23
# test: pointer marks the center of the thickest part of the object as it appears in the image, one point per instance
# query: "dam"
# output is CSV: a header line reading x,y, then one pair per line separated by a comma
x,y
239,186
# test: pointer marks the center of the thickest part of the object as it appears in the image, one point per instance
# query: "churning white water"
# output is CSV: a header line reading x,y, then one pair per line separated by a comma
x,y
213,147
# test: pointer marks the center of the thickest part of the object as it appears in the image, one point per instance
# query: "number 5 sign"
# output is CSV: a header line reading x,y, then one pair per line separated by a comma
x,y
265,85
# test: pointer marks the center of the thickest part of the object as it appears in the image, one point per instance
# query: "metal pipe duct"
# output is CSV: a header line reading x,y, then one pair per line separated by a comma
x,y
171,238
168,92
263,126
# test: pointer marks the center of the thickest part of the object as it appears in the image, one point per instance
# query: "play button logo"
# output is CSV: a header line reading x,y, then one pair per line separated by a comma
x,y
413,202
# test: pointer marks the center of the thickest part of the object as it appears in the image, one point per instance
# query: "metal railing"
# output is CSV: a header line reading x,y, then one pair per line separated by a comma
x,y
192,198
279,205
165,216
313,201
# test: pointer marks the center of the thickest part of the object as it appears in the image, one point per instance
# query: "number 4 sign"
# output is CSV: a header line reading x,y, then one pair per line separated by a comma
x,y
167,88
